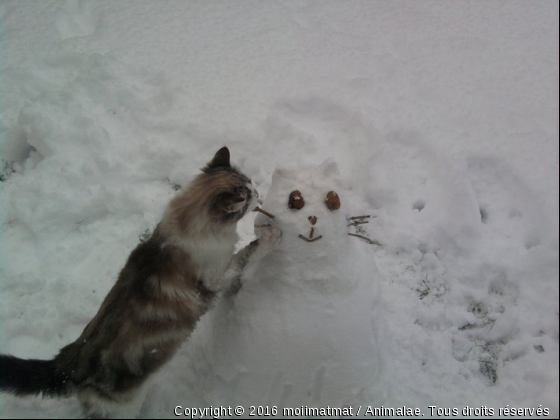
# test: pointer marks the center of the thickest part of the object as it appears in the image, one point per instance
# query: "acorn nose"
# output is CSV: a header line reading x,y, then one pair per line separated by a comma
x,y
312,220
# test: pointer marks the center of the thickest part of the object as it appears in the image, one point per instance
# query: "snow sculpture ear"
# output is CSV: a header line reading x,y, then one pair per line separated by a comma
x,y
282,172
329,168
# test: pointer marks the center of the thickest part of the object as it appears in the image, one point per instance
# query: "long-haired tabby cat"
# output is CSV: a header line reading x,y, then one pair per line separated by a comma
x,y
167,284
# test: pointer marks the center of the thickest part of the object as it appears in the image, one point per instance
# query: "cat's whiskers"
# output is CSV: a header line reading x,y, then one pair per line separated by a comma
x,y
357,221
366,216
369,241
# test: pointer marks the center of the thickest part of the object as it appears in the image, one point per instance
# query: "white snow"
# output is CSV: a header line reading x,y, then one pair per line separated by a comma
x,y
443,119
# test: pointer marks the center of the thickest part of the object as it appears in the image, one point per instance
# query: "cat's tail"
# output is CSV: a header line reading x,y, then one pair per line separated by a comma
x,y
32,377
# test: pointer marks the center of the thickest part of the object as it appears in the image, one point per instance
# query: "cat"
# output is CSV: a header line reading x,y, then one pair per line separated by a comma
x,y
166,285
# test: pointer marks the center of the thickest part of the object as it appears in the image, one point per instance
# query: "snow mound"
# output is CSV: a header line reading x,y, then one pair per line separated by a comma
x,y
443,119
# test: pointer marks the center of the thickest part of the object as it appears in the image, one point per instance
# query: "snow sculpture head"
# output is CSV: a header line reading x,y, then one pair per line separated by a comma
x,y
311,207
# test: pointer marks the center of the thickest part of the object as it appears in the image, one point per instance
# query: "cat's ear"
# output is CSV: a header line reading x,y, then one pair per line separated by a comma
x,y
220,159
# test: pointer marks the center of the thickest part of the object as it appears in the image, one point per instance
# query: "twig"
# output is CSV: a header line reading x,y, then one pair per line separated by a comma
x,y
365,239
264,212
310,240
363,222
311,233
261,225
367,216
427,289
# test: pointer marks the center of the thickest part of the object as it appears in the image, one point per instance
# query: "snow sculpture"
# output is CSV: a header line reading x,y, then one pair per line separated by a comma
x,y
303,329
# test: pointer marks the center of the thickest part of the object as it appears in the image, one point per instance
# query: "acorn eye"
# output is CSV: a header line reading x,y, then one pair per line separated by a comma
x,y
332,200
296,201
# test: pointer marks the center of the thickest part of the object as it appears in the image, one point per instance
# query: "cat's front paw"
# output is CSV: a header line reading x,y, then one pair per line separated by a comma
x,y
268,235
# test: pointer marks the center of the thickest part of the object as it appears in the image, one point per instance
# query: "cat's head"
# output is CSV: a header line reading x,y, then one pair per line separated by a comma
x,y
217,198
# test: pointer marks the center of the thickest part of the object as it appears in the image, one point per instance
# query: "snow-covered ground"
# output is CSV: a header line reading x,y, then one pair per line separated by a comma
x,y
442,116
